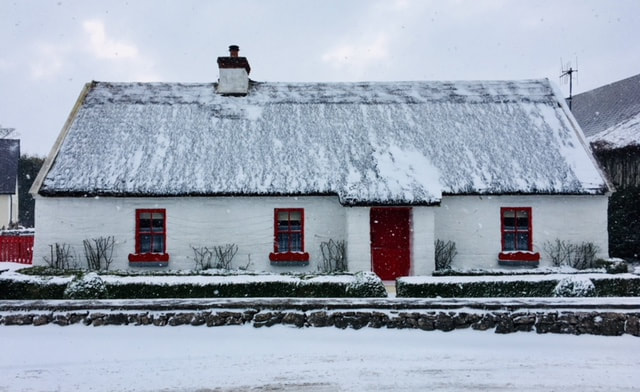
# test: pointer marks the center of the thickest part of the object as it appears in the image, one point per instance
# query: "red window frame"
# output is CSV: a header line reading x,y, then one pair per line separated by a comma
x,y
288,234
518,253
154,231
516,228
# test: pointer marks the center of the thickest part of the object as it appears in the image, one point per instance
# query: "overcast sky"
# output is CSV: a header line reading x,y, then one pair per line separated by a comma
x,y
50,48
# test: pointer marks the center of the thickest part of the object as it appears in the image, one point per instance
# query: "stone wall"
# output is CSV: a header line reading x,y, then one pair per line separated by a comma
x,y
576,322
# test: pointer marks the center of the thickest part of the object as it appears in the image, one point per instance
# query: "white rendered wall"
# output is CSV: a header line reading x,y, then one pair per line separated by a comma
x,y
422,255
233,81
473,222
199,221
358,238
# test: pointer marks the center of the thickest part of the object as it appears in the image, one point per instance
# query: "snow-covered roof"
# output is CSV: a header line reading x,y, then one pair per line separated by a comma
x,y
9,156
626,133
368,143
610,115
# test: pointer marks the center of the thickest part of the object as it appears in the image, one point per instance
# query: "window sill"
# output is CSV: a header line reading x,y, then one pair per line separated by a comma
x,y
148,259
519,258
289,258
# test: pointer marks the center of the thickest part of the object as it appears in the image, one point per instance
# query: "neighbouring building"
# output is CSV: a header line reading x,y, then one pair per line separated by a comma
x,y
610,118
9,157
497,167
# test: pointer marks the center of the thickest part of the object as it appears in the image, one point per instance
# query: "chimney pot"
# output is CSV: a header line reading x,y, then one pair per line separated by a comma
x,y
233,50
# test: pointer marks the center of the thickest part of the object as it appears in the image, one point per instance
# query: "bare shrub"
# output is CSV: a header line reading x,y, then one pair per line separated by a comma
x,y
579,256
217,256
61,256
224,255
559,252
334,256
203,257
246,266
584,255
444,254
99,252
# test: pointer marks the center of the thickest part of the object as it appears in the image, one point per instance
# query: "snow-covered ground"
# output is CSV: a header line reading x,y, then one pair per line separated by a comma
x,y
241,358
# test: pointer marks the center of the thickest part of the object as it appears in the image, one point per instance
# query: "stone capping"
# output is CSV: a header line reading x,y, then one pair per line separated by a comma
x,y
610,317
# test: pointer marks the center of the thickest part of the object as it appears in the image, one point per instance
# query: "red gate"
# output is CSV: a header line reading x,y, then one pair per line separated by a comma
x,y
16,248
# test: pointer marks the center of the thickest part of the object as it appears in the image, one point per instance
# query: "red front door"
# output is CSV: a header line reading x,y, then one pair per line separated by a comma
x,y
391,242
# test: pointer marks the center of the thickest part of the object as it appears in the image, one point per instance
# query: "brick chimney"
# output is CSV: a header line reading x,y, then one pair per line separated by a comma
x,y
234,73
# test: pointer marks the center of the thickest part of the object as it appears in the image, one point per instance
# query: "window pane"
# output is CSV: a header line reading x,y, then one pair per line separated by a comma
x,y
522,220
523,241
508,220
296,242
295,226
157,222
283,221
283,242
145,244
295,221
509,241
158,244
295,216
145,222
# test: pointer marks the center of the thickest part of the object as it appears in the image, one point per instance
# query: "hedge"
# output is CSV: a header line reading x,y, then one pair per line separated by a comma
x,y
605,286
16,289
363,284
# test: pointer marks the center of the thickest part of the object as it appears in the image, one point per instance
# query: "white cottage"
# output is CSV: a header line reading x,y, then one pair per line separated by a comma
x,y
498,167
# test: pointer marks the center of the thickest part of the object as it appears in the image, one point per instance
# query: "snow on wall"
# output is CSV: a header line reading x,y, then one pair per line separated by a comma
x,y
198,221
390,143
473,223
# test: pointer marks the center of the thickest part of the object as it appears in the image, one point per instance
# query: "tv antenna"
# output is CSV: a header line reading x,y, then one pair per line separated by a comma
x,y
566,74
5,132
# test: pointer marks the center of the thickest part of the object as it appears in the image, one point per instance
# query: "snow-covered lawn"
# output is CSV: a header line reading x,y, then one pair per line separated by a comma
x,y
79,358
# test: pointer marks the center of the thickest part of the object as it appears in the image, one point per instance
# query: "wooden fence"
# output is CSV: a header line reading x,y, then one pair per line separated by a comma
x,y
16,249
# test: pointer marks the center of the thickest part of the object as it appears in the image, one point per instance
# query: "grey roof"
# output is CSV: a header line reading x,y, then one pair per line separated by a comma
x,y
368,143
608,106
9,157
